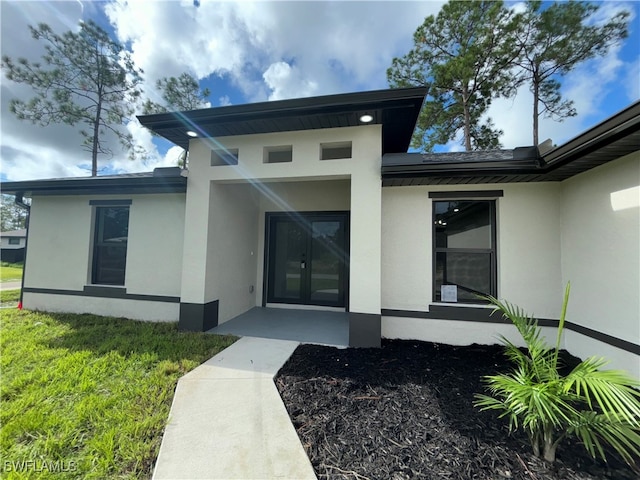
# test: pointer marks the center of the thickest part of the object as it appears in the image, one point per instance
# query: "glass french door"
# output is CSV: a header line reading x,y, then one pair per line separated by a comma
x,y
307,258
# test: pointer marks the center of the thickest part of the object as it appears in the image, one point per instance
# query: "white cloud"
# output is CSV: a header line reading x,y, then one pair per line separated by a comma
x,y
337,45
286,81
607,10
632,81
31,151
37,161
266,50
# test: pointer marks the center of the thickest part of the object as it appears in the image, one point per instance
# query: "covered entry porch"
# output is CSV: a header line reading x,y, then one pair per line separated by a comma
x,y
304,326
302,243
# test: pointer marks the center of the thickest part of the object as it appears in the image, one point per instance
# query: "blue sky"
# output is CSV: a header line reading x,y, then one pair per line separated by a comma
x,y
246,52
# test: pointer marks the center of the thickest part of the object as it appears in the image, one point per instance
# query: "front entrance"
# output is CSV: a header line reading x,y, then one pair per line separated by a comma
x,y
307,258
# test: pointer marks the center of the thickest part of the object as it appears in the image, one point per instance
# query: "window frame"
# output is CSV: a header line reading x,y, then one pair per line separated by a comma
x,y
98,230
333,151
277,154
14,240
221,157
489,197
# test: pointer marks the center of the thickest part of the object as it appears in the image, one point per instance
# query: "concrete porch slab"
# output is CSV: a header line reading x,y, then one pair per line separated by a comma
x,y
227,420
303,326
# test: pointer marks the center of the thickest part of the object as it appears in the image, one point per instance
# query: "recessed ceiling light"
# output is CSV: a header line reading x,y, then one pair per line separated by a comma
x,y
191,133
366,118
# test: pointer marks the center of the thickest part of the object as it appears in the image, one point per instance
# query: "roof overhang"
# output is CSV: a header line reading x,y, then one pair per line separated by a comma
x,y
613,138
166,180
396,110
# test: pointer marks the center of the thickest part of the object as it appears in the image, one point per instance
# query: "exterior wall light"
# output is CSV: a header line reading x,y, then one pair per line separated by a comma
x,y
191,133
366,118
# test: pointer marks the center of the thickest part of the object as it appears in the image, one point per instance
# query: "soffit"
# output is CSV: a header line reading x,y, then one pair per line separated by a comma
x,y
396,110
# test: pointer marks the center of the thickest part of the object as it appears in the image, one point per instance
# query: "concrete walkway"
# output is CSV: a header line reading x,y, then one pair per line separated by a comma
x,y
227,420
10,285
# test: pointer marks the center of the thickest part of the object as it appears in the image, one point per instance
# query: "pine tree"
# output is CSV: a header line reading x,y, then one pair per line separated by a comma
x,y
181,93
463,55
85,78
553,41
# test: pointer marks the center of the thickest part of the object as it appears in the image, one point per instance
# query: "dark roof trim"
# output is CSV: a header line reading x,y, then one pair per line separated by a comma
x,y
622,123
321,104
396,110
466,194
111,185
425,169
613,138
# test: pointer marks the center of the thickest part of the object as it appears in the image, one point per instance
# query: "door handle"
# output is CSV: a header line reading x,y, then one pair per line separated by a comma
x,y
303,264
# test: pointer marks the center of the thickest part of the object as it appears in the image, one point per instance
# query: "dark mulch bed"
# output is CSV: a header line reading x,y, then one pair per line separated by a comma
x,y
405,411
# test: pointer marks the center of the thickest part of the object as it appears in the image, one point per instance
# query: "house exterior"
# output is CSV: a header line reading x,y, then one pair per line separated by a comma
x,y
314,203
12,245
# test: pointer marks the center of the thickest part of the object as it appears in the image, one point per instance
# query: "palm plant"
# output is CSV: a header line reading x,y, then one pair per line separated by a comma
x,y
597,406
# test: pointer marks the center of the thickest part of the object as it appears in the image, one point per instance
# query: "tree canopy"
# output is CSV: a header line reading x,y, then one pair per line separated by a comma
x,y
12,217
473,52
552,42
178,93
463,55
85,78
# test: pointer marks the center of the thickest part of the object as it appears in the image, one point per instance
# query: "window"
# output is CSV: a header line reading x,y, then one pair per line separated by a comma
x,y
14,241
224,156
110,245
335,151
280,154
464,250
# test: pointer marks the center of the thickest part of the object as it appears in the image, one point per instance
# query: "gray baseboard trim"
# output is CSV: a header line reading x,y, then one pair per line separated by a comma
x,y
103,292
483,315
198,317
461,314
365,330
604,338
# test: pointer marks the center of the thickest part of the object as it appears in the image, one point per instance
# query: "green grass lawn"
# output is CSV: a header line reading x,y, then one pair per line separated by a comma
x,y
9,297
89,396
10,272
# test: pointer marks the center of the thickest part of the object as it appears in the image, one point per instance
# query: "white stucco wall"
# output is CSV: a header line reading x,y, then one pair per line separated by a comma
x,y
406,248
60,233
304,184
111,307
528,251
528,246
60,254
232,249
155,244
585,230
366,241
601,257
305,164
454,332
